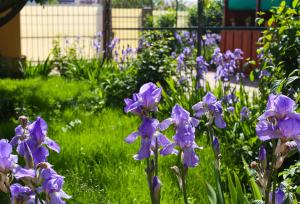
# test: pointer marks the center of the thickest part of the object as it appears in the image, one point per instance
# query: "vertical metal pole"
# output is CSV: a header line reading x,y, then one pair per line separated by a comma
x,y
107,28
225,13
200,27
176,12
257,8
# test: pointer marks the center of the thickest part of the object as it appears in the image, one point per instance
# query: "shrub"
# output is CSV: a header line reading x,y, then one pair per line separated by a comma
x,y
280,49
212,14
167,20
154,62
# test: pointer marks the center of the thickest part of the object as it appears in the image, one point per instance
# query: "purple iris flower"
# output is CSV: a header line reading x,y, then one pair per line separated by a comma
x,y
230,109
230,99
113,43
201,66
279,120
99,34
229,55
52,183
129,50
187,51
178,37
146,100
116,55
186,35
239,76
52,186
212,39
132,106
244,114
148,133
226,64
38,132
238,54
35,138
264,73
156,188
173,55
279,195
8,163
21,194
180,62
97,45
216,146
262,153
218,60
7,160
210,105
217,56
184,136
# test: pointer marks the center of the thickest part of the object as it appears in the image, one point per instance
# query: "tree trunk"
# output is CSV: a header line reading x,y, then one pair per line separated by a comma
x,y
9,9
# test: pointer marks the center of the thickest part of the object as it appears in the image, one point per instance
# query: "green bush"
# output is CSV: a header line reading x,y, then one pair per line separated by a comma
x,y
212,14
167,20
118,84
153,62
281,50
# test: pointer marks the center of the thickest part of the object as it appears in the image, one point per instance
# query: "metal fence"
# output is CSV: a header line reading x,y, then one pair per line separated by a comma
x,y
76,26
72,25
127,24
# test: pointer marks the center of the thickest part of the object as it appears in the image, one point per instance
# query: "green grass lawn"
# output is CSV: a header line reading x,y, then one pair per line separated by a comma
x,y
97,164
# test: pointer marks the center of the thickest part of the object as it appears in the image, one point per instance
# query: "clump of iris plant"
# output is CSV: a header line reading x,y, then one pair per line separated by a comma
x,y
37,180
144,104
281,125
227,64
184,140
213,110
212,39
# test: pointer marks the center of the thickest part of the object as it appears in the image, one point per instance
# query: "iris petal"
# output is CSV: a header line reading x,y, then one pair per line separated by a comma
x,y
290,127
144,151
52,145
190,158
132,137
165,124
219,121
168,149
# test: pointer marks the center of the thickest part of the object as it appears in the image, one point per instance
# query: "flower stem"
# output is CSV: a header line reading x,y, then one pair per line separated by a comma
x,y
217,163
274,185
269,184
149,178
184,171
36,201
156,157
8,189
